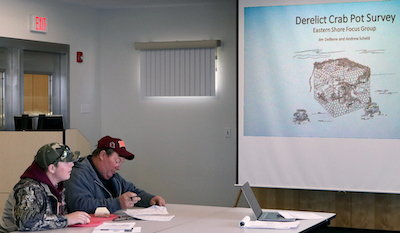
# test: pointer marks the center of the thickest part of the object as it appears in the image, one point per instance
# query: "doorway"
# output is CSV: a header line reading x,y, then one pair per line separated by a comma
x,y
41,67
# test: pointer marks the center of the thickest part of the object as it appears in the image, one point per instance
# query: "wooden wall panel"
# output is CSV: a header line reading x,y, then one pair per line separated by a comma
x,y
387,211
353,210
17,151
342,210
28,92
41,93
77,142
362,210
289,199
36,93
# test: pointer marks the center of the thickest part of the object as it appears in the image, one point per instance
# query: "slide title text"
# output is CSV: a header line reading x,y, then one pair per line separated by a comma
x,y
368,18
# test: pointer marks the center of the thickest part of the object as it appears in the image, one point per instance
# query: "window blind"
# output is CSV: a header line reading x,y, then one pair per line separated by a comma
x,y
178,72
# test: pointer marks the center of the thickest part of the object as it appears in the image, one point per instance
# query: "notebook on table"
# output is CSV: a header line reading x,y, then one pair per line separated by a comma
x,y
255,206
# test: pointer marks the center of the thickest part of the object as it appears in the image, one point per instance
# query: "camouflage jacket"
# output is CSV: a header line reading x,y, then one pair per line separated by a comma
x,y
37,208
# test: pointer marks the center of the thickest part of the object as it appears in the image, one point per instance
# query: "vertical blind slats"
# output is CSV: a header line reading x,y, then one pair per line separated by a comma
x,y
178,72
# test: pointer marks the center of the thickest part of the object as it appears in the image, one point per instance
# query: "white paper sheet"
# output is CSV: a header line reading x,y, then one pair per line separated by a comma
x,y
115,227
299,215
247,223
160,218
153,213
152,210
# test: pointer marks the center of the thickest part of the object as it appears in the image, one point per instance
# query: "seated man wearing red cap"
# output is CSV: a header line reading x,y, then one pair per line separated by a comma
x,y
95,182
37,201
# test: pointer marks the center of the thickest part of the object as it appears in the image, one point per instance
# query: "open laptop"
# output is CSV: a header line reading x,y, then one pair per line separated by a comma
x,y
255,206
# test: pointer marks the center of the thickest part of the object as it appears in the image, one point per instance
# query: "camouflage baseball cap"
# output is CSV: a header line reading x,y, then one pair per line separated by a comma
x,y
54,152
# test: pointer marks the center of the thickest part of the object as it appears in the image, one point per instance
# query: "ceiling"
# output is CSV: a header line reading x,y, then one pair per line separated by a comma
x,y
115,4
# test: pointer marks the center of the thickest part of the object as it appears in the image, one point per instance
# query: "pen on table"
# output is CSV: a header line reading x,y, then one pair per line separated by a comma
x,y
126,230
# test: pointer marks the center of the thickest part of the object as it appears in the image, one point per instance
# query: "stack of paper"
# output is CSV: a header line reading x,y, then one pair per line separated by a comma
x,y
299,214
153,213
117,227
247,223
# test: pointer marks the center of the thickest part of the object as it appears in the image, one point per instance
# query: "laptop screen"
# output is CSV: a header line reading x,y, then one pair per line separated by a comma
x,y
251,199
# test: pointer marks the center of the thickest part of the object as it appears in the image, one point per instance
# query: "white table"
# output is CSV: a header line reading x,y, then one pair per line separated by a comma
x,y
227,221
197,218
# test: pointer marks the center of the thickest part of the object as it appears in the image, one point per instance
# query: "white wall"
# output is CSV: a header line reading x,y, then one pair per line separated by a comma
x,y
181,151
179,143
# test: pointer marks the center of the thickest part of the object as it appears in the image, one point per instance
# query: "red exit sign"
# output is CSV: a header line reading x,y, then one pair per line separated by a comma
x,y
38,23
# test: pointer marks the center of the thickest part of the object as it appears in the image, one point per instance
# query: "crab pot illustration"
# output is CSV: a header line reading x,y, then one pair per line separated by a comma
x,y
341,86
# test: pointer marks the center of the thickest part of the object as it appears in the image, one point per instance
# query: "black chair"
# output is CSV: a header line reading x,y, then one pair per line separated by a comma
x,y
23,122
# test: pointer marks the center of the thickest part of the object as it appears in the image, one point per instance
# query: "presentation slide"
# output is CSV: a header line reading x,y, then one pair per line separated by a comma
x,y
319,88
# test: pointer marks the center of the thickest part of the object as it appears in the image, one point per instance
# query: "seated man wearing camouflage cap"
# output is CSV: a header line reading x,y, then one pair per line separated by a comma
x,y
37,201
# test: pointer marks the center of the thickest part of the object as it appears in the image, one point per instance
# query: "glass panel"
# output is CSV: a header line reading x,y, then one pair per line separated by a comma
x,y
36,94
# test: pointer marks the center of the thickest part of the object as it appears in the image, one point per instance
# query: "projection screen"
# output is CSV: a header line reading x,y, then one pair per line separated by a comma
x,y
318,95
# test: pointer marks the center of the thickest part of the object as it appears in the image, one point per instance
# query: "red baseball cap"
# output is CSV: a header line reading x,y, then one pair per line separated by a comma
x,y
117,145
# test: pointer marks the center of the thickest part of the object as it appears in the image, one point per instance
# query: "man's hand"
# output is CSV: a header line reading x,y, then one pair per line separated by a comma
x,y
128,200
78,217
157,200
